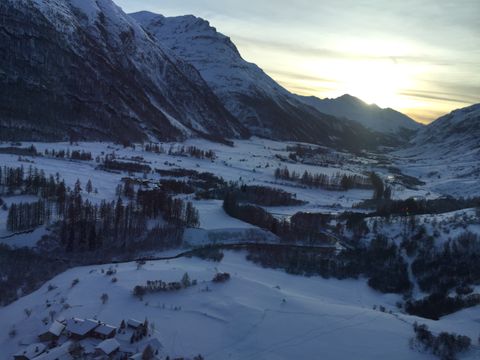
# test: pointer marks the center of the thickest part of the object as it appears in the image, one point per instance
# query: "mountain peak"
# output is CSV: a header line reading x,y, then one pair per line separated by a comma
x,y
387,120
351,98
261,104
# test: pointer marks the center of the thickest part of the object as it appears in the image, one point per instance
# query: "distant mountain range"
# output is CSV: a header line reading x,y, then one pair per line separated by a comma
x,y
85,69
262,105
386,121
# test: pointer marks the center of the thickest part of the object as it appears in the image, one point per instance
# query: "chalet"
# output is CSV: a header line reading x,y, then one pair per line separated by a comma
x,y
139,356
134,324
154,344
53,332
30,352
107,348
79,328
59,353
105,331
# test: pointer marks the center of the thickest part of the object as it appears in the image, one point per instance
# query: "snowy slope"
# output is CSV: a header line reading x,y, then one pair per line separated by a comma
x,y
371,116
261,104
289,317
84,67
446,153
453,133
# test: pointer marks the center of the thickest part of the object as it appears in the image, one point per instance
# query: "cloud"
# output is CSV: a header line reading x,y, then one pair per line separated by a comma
x,y
432,95
440,39
306,50
298,76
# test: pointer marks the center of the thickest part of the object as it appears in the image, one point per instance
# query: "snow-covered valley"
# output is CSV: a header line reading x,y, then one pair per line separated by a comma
x,y
260,313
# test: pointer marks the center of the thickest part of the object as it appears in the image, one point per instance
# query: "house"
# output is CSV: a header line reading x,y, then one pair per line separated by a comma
x,y
59,353
134,324
105,331
107,348
139,356
154,344
53,332
80,329
30,352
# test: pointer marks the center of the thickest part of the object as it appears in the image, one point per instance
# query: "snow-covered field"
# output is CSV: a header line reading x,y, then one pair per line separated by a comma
x,y
249,161
258,314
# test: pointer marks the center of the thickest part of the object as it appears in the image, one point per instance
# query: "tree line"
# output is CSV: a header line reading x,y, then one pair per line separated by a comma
x,y
82,225
18,181
337,181
191,151
27,216
74,154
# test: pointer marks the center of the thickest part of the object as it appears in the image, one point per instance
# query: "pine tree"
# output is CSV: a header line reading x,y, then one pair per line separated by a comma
x,y
186,280
191,215
92,238
148,353
77,188
89,186
12,218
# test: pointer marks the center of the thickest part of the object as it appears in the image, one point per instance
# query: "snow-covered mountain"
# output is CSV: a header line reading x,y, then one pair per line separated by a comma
x,y
446,153
85,68
452,134
262,105
387,121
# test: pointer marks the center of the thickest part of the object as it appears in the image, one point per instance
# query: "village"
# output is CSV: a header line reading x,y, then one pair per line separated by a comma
x,y
91,339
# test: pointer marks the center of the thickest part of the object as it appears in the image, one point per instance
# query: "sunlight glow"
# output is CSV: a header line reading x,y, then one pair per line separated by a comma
x,y
376,82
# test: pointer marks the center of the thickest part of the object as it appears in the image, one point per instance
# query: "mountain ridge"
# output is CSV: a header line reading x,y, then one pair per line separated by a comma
x,y
248,79
385,120
262,105
455,133
90,71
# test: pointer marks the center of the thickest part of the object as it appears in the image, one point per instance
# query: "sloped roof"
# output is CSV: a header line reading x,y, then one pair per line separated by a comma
x,y
32,350
134,323
58,353
56,328
108,346
80,326
105,329
154,343
139,356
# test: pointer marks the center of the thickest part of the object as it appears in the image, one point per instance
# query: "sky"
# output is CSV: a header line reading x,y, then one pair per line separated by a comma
x,y
421,57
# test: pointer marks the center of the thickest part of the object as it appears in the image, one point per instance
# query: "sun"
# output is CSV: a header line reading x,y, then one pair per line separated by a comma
x,y
375,82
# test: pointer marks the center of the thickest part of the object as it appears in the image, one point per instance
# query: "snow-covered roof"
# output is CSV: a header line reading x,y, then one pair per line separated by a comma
x,y
31,351
154,343
105,329
108,346
58,353
139,356
80,326
134,323
56,328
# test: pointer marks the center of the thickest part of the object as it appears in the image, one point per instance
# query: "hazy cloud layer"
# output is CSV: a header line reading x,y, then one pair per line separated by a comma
x,y
421,57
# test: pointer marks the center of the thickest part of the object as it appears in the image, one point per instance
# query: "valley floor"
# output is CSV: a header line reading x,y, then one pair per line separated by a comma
x,y
258,314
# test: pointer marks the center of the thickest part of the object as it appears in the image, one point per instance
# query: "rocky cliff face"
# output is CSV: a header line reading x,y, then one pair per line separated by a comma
x,y
85,69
